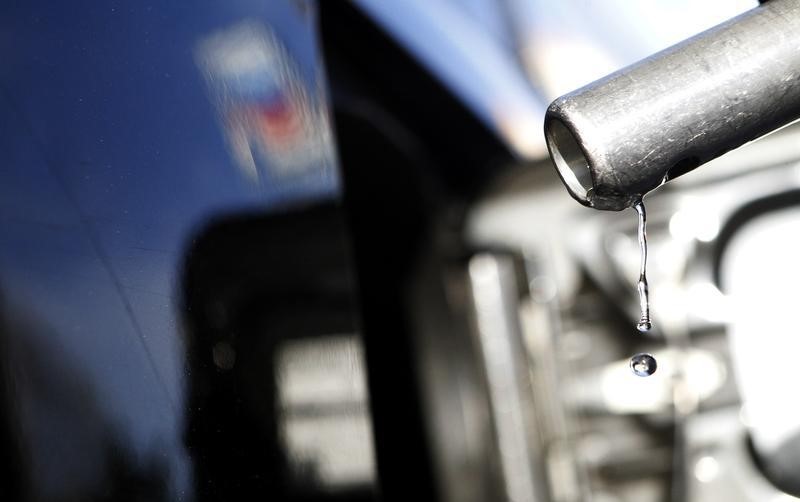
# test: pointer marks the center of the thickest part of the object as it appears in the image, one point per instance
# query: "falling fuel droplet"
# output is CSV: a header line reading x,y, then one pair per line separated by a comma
x,y
644,323
643,364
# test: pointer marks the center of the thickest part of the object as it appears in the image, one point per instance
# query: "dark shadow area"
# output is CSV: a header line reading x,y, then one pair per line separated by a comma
x,y
58,443
411,156
251,285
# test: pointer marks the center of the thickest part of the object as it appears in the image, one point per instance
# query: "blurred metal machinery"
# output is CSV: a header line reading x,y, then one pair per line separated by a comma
x,y
690,432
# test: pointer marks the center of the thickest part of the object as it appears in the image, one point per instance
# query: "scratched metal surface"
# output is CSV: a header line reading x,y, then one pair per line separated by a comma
x,y
669,113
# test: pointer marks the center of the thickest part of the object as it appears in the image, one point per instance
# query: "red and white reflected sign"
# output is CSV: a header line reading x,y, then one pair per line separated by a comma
x,y
274,122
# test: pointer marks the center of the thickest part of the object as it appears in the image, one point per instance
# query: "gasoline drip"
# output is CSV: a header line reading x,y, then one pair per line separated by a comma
x,y
643,364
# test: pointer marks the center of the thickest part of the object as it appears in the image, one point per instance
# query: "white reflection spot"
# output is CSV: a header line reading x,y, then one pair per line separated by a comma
x,y
706,469
694,223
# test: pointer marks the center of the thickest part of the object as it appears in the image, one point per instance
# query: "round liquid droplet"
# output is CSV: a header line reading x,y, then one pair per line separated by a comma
x,y
644,326
643,364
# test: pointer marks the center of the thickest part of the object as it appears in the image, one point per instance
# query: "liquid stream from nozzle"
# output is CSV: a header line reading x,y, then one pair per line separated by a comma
x,y
643,364
644,323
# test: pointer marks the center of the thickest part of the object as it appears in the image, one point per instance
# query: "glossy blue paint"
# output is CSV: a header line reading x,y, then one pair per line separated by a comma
x,y
112,158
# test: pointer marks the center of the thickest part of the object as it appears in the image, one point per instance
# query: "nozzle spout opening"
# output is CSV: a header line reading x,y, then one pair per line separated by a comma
x,y
569,159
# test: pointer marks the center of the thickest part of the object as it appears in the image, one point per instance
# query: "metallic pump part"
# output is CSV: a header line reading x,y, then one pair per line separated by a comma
x,y
615,139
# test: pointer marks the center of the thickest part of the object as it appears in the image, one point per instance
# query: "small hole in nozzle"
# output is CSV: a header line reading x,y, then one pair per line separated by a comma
x,y
569,159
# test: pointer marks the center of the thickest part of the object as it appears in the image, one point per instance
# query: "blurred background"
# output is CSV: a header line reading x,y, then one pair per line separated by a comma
x,y
316,250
